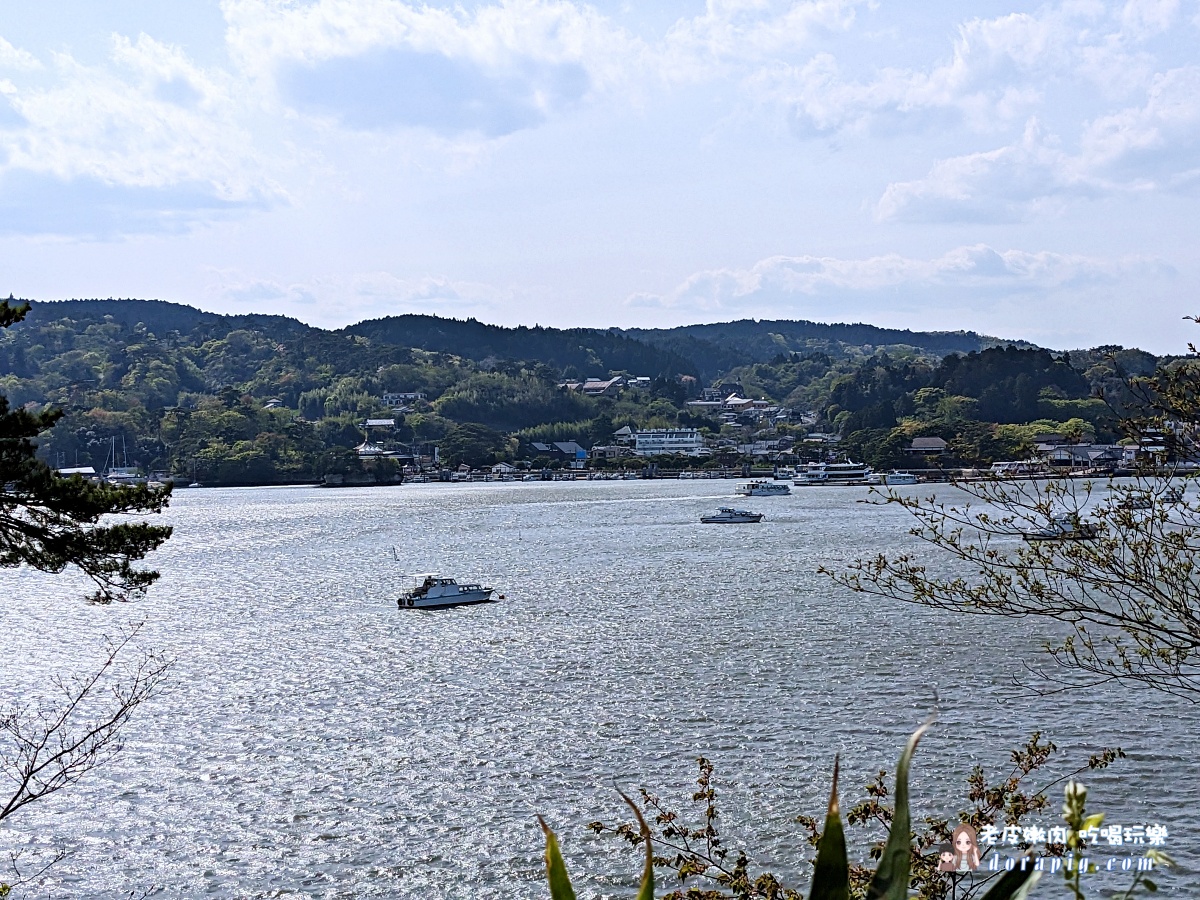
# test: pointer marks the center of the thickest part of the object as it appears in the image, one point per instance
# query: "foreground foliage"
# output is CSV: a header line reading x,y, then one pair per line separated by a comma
x,y
1130,591
904,861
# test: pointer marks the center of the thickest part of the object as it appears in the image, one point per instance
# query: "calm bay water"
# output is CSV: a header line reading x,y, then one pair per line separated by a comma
x,y
314,741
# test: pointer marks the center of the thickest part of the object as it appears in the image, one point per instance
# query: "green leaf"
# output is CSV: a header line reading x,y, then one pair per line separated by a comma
x,y
831,877
556,869
646,891
1150,885
891,878
1013,885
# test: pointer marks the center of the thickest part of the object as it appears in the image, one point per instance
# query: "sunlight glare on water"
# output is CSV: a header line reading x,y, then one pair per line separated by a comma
x,y
316,741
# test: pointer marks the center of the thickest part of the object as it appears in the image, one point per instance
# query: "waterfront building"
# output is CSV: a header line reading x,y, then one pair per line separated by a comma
x,y
662,441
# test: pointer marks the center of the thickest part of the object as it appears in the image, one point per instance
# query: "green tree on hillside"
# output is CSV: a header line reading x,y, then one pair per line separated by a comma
x,y
475,445
50,523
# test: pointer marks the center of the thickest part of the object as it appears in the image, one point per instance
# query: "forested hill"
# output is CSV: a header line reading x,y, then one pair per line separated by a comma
x,y
256,399
719,347
162,317
576,352
706,351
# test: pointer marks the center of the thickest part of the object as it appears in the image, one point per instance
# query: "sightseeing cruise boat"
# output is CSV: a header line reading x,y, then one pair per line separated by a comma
x,y
728,516
762,488
438,592
848,472
894,478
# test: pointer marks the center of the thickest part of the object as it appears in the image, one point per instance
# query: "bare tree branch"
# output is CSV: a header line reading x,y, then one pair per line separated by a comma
x,y
48,746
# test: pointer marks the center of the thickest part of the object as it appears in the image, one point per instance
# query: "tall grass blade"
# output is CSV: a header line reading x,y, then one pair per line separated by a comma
x,y
556,869
831,877
891,878
1013,885
646,891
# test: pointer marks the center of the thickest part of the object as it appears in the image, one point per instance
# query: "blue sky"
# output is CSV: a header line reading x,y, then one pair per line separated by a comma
x,y
1025,170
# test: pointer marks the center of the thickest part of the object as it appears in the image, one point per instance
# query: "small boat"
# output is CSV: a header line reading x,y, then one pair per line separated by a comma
x,y
1133,503
1138,501
1064,528
727,515
894,478
762,488
439,592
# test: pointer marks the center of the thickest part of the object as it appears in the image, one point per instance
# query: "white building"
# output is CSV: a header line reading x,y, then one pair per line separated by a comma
x,y
399,398
682,441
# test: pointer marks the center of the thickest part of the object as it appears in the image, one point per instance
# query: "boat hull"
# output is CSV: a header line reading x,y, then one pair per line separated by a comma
x,y
1035,536
465,598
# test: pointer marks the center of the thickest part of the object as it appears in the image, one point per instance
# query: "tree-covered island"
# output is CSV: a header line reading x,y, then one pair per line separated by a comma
x,y
258,399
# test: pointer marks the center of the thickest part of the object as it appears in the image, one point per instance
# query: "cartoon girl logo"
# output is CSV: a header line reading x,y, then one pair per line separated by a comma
x,y
965,851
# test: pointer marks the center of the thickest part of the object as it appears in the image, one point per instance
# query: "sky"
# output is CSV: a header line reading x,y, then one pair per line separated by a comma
x,y
1024,170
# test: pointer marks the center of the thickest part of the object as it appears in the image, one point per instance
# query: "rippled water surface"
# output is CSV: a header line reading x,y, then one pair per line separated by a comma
x,y
315,741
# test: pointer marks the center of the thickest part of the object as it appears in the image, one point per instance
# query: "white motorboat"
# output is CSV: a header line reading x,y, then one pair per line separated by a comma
x,y
439,592
762,488
727,515
848,472
894,478
1064,528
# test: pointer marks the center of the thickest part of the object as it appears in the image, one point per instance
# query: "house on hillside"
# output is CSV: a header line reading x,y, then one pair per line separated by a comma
x,y
566,451
594,387
393,399
928,446
610,451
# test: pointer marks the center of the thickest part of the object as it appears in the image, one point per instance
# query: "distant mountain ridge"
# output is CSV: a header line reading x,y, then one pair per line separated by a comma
x,y
160,316
705,351
588,351
722,346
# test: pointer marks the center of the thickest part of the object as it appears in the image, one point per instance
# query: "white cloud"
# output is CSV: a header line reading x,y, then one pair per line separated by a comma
x,y
786,285
1145,18
738,33
1002,185
339,300
14,58
1149,147
999,72
1153,145
427,294
147,121
377,64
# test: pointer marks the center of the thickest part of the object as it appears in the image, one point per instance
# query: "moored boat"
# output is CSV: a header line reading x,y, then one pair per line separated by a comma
x,y
762,488
1063,528
895,477
848,472
439,592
